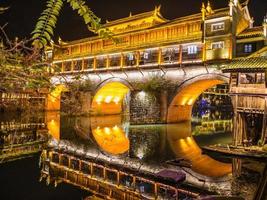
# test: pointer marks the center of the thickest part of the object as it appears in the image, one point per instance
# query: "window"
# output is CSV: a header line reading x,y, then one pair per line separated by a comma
x,y
130,59
149,57
248,48
247,78
192,49
130,56
146,55
217,27
217,45
115,60
101,62
170,55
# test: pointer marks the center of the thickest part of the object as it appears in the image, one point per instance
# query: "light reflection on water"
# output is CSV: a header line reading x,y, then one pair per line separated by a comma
x,y
152,143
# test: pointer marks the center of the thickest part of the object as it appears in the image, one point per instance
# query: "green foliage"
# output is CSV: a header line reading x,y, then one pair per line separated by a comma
x,y
44,29
154,84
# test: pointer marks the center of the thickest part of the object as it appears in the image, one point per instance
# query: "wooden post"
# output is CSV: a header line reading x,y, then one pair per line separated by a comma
x,y
122,60
159,56
72,65
82,64
156,190
264,122
94,65
92,169
180,54
137,58
235,121
118,178
236,167
80,165
134,180
68,162
107,61
104,173
62,67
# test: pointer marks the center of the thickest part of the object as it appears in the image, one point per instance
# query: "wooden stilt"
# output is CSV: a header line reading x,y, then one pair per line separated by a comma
x,y
264,123
236,167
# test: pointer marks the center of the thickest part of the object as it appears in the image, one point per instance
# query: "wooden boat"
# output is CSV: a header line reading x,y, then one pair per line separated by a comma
x,y
215,197
243,152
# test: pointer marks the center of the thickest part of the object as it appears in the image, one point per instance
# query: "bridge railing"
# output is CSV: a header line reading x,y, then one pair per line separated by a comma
x,y
160,56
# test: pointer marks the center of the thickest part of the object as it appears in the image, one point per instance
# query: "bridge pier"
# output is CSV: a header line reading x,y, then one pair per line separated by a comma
x,y
148,107
85,99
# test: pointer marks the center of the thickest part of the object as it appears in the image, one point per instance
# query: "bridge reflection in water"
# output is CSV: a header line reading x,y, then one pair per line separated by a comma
x,y
112,146
21,138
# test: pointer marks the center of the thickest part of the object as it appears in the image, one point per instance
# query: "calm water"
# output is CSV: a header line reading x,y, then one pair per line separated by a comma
x,y
114,137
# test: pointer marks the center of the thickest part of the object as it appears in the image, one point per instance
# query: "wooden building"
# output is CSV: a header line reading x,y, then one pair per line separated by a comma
x,y
148,39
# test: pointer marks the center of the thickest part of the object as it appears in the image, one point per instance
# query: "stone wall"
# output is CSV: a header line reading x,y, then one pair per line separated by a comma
x,y
147,108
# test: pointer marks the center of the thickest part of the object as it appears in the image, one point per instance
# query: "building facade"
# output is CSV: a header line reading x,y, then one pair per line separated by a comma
x,y
215,38
148,39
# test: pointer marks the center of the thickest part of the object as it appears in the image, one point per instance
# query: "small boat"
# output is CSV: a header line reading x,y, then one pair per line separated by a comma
x,y
243,152
175,176
216,197
181,162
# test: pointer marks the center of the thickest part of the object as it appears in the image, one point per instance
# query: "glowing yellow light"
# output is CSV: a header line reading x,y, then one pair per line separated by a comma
x,y
108,99
107,130
99,99
116,128
190,102
116,100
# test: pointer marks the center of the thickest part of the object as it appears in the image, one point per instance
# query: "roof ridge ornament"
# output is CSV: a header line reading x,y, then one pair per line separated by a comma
x,y
157,10
209,9
203,11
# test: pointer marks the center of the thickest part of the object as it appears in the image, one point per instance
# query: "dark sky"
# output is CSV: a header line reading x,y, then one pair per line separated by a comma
x,y
22,15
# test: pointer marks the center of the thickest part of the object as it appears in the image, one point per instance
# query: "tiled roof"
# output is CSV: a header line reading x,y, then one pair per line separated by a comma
x,y
154,13
246,64
251,32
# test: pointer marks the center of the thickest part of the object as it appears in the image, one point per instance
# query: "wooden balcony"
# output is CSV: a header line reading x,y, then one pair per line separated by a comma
x,y
252,89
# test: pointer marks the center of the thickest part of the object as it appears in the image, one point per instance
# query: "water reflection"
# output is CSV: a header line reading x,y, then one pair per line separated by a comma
x,y
110,135
149,143
183,145
21,137
149,146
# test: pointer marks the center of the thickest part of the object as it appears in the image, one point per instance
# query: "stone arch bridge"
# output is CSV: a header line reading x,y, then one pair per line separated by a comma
x,y
115,92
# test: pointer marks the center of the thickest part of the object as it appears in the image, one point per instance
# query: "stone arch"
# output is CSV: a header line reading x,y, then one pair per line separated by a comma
x,y
109,96
181,104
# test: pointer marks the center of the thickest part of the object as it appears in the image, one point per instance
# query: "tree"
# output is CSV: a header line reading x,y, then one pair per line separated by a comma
x,y
44,29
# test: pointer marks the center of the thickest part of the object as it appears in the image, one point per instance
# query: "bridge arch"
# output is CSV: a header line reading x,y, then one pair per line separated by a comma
x,y
181,104
110,97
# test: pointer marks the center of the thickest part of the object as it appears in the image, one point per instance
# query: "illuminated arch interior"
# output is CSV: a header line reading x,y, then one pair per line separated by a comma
x,y
180,108
108,100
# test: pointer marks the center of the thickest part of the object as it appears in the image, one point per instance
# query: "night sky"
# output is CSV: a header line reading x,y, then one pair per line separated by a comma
x,y
23,14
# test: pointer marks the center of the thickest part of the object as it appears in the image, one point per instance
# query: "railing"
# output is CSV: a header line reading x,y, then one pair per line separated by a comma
x,y
160,56
107,181
257,89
